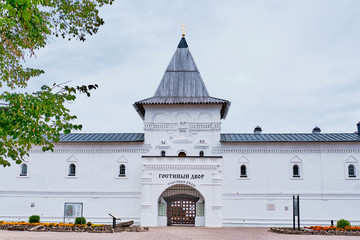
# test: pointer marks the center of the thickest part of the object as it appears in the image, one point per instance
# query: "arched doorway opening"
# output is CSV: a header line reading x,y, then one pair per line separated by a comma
x,y
182,205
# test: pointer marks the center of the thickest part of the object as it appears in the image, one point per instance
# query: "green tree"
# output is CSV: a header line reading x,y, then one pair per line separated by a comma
x,y
28,119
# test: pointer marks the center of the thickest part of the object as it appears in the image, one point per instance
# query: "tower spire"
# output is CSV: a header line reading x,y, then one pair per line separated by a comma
x,y
182,84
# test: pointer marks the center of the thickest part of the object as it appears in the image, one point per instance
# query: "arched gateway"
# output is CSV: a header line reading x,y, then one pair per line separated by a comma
x,y
182,204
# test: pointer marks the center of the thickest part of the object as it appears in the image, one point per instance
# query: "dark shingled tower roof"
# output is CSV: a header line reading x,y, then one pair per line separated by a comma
x,y
182,84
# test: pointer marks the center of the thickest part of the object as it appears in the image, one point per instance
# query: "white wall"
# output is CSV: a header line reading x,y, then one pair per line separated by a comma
x,y
96,183
325,191
264,198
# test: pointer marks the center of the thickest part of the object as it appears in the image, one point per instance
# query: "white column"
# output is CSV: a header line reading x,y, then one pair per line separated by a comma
x,y
214,211
146,206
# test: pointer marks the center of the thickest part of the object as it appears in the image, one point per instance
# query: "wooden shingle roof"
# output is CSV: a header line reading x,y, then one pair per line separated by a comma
x,y
182,84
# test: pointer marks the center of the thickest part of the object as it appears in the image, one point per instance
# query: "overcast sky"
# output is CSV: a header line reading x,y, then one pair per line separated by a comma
x,y
285,65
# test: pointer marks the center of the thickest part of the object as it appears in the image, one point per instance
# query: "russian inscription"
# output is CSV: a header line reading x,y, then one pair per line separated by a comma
x,y
182,176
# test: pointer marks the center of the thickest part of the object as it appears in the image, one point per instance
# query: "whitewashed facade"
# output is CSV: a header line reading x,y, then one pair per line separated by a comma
x,y
182,170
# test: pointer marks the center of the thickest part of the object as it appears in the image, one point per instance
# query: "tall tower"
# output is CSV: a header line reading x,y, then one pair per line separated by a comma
x,y
182,116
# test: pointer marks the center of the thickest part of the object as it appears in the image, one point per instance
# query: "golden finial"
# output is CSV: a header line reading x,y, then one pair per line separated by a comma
x,y
183,28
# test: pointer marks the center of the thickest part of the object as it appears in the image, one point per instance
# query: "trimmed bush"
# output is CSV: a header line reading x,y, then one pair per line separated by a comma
x,y
342,223
89,224
80,220
34,219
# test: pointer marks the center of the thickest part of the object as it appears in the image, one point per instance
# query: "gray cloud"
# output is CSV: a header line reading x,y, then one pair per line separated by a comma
x,y
285,65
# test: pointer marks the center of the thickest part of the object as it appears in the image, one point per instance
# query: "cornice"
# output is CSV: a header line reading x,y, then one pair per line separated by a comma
x,y
93,151
284,151
191,126
83,194
165,167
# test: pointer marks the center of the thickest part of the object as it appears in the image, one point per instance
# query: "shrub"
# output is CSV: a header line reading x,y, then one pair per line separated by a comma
x,y
89,224
342,223
34,219
80,220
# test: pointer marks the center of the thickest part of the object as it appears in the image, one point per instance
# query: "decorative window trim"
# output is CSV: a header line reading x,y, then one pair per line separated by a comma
x,y
122,161
72,158
72,177
351,161
243,161
202,144
296,161
163,145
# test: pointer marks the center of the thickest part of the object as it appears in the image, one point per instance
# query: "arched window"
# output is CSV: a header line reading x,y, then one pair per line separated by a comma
x,y
296,172
72,170
243,171
122,170
163,153
351,170
23,170
182,154
201,153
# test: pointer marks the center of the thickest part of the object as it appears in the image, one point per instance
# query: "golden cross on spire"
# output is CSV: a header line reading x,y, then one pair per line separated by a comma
x,y
183,28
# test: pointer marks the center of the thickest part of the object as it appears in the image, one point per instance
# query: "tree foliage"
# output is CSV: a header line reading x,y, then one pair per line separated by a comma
x,y
38,118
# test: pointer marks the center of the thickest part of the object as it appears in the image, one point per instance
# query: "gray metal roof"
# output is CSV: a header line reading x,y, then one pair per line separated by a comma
x,y
182,84
227,137
290,137
102,137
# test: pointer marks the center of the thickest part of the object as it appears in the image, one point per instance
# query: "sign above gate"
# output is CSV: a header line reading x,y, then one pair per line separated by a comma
x,y
181,182
182,176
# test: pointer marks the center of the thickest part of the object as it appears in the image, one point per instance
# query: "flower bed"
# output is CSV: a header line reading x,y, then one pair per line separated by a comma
x,y
319,230
65,227
334,228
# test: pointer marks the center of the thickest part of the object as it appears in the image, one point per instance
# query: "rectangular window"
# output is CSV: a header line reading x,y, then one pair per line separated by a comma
x,y
162,209
200,209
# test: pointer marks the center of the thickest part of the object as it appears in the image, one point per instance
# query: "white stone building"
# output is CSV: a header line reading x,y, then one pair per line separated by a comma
x,y
183,170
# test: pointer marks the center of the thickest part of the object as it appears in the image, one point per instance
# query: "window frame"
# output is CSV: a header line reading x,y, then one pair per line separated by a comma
x,y
121,161
243,161
182,154
122,175
163,153
296,161
201,153
351,161
70,174
22,174
296,171
353,174
241,171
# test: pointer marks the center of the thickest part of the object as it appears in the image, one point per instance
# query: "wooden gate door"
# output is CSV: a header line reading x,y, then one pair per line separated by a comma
x,y
181,211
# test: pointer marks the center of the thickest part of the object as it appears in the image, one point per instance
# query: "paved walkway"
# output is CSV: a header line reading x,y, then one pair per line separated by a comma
x,y
171,233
